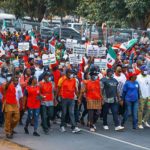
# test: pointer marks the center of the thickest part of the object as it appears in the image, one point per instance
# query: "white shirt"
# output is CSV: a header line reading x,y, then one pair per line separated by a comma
x,y
38,72
144,83
121,81
19,93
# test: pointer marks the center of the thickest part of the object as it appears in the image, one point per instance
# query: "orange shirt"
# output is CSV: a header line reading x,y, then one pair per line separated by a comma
x,y
93,90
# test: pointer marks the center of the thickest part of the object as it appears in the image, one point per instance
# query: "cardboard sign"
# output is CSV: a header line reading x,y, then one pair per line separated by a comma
x,y
93,50
79,49
102,51
101,63
15,63
70,43
48,59
23,46
75,59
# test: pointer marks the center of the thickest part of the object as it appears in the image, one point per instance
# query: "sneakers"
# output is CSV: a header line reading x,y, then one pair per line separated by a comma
x,y
76,130
146,124
94,126
140,127
92,129
9,136
26,130
106,127
62,129
119,128
35,134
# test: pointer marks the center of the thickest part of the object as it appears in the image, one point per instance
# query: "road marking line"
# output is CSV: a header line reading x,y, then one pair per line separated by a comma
x,y
115,139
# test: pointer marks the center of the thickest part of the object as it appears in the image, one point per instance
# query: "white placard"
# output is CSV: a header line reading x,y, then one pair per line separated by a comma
x,y
102,51
93,50
23,46
101,63
75,59
48,59
70,43
79,49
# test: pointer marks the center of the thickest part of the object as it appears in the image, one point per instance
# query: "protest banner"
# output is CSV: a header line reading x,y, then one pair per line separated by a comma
x,y
101,63
79,49
102,51
70,43
48,59
93,50
75,59
23,46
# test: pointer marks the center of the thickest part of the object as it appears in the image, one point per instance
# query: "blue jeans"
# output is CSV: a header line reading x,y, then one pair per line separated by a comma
x,y
33,113
114,110
131,107
68,104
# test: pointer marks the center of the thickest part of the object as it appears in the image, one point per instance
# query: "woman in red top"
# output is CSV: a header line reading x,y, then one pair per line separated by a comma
x,y
10,106
32,99
24,79
47,104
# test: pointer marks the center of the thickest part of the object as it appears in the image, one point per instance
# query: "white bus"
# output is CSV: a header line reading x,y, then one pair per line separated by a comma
x,y
9,19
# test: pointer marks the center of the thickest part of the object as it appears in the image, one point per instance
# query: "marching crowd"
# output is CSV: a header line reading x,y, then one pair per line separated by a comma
x,y
72,92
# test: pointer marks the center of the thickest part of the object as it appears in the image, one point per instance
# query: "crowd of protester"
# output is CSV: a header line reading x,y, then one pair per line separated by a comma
x,y
72,93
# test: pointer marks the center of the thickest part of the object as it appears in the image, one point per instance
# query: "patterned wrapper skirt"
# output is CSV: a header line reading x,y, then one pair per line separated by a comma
x,y
94,104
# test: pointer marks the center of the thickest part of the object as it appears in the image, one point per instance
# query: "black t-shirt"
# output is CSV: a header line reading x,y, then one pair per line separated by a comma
x,y
110,87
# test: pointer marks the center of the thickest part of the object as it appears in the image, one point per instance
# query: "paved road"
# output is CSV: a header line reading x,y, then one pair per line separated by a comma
x,y
101,140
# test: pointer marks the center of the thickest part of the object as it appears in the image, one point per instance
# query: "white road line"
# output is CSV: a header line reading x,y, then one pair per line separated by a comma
x,y
115,139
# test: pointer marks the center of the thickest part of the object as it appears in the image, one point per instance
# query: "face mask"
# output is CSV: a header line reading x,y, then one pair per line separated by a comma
x,y
130,70
94,77
8,79
71,76
145,72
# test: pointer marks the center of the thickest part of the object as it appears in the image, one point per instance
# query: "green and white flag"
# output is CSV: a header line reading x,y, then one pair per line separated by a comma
x,y
111,57
4,25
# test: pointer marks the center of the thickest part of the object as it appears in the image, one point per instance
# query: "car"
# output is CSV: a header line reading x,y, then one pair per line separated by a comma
x,y
67,32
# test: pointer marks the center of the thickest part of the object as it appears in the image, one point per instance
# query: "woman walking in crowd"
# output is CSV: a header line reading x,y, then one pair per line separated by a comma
x,y
47,89
93,97
32,99
10,107
131,96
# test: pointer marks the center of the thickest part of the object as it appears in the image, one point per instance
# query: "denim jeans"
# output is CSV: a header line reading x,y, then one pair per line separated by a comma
x,y
68,104
33,113
114,110
131,107
47,113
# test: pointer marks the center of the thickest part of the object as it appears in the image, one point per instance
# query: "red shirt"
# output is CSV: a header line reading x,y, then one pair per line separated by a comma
x,y
46,89
33,93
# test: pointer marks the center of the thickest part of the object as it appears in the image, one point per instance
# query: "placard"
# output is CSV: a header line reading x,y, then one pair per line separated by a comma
x,y
70,43
102,51
93,50
79,49
23,46
75,59
101,63
48,59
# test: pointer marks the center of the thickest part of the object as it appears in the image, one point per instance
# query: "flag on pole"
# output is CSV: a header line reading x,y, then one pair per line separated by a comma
x,y
128,45
111,57
2,52
33,41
